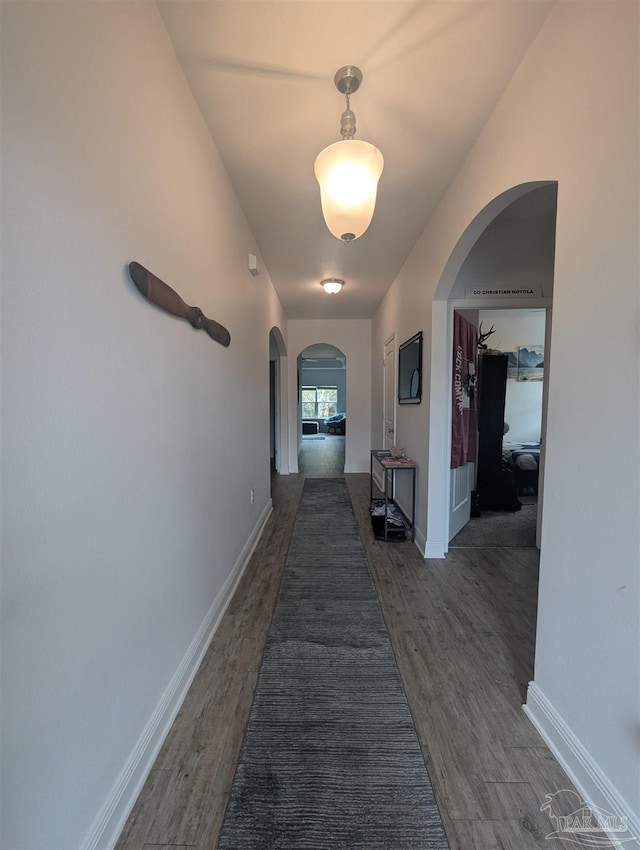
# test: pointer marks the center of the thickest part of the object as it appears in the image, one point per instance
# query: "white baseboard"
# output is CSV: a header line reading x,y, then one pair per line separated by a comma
x,y
113,815
420,541
585,774
435,549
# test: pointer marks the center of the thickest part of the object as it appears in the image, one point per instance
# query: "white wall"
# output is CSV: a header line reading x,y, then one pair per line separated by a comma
x,y
512,253
130,441
523,401
353,338
569,115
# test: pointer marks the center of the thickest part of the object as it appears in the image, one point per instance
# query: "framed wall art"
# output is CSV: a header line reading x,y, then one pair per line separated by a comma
x,y
526,363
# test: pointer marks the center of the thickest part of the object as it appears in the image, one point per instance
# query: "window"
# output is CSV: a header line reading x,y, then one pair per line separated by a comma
x,y
319,402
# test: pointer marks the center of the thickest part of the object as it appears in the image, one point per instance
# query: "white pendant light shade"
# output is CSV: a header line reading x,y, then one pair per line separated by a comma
x,y
348,172
332,285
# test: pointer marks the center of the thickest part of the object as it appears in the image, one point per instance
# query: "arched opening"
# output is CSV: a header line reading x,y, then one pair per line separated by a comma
x,y
479,257
277,402
322,410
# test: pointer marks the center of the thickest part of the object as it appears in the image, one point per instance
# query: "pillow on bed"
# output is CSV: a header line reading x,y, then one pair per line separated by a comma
x,y
526,461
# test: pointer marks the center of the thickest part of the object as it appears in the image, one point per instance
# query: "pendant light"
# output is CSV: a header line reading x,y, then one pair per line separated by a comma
x,y
348,171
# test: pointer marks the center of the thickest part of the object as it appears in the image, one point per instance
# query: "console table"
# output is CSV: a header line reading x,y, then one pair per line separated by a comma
x,y
390,465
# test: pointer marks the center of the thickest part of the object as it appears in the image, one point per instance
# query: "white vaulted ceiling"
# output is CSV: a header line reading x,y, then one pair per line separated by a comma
x,y
262,73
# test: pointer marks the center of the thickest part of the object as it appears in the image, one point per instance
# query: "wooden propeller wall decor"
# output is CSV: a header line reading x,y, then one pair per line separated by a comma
x,y
161,294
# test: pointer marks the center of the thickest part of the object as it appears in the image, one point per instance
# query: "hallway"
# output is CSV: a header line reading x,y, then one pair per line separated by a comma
x,y
463,633
322,458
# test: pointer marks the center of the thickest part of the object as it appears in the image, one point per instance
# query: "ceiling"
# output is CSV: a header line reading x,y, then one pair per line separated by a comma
x,y
262,74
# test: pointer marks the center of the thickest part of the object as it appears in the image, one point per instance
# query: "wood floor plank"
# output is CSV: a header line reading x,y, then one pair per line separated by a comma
x,y
212,695
169,846
207,767
145,811
463,631
509,834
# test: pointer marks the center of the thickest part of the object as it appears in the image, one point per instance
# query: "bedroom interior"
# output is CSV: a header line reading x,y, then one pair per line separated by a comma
x,y
513,415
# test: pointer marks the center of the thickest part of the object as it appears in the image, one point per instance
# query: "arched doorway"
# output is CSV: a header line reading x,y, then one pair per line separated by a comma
x,y
454,293
322,410
277,402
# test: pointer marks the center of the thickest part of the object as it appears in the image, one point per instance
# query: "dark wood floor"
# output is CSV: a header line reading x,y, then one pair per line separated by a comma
x,y
319,458
463,632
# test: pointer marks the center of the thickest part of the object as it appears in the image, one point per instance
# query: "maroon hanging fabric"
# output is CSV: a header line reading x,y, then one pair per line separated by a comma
x,y
464,418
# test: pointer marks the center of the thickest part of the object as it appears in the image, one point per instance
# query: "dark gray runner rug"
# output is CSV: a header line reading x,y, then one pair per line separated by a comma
x,y
331,759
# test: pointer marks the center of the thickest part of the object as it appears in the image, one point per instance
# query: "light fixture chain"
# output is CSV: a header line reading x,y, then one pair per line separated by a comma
x,y
348,121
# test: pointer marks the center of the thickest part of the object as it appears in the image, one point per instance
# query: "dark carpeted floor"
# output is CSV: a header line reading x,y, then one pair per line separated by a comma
x,y
499,528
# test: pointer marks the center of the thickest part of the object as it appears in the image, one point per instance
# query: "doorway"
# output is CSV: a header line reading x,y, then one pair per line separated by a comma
x,y
322,412
389,393
510,427
277,403
504,259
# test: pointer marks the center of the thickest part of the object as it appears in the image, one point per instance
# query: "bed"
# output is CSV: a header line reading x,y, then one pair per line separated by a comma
x,y
524,460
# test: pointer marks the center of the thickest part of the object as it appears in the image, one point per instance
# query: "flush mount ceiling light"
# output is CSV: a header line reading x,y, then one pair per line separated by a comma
x,y
332,285
348,171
